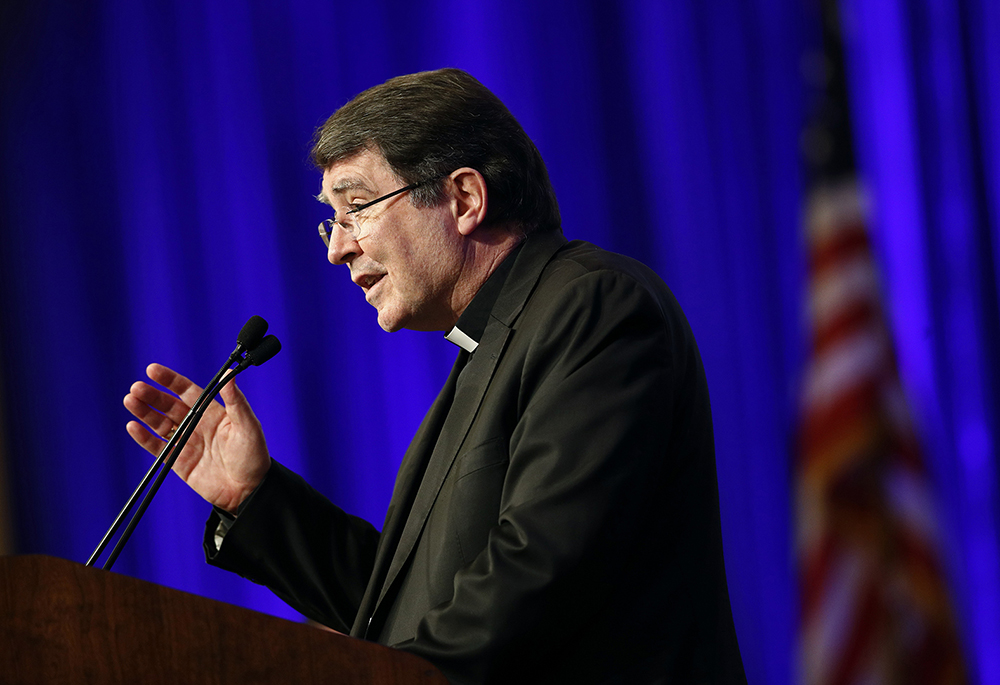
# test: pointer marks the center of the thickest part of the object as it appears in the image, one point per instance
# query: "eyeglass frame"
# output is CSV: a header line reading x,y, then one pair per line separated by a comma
x,y
325,234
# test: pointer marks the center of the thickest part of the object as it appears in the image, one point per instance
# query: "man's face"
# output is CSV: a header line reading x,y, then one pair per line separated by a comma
x,y
408,260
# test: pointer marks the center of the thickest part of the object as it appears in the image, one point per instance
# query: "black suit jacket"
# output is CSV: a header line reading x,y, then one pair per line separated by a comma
x,y
556,516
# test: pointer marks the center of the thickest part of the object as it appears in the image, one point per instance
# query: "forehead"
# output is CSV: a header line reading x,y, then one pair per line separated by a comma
x,y
365,172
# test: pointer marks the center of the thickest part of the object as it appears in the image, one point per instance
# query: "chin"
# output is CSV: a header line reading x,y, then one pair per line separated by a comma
x,y
390,321
388,325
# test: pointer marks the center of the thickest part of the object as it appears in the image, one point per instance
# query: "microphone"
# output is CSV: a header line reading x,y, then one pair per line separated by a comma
x,y
259,349
252,333
267,348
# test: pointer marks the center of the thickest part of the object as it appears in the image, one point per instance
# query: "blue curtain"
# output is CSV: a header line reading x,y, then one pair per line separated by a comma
x,y
156,193
924,78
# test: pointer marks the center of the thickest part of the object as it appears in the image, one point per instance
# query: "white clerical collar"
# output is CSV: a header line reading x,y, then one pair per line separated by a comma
x,y
458,337
477,315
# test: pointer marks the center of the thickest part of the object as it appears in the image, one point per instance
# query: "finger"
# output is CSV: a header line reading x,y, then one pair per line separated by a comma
x,y
156,399
148,441
174,382
185,389
161,424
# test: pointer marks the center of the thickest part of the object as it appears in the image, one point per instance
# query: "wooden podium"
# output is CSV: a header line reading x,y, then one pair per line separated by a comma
x,y
61,622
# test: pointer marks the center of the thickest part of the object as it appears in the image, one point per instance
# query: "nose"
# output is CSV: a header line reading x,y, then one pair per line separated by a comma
x,y
343,248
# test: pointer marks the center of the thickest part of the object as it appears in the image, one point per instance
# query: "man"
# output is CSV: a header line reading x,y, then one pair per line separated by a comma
x,y
556,518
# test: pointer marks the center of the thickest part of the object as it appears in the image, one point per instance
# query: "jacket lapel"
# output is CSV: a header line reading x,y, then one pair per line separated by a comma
x,y
436,445
407,481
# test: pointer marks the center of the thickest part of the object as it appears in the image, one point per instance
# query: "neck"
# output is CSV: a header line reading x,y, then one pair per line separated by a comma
x,y
484,254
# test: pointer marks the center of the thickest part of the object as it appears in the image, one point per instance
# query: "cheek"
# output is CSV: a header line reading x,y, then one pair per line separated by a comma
x,y
423,265
413,274
439,269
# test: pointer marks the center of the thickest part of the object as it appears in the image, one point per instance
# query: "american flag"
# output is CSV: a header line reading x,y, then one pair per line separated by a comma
x,y
874,603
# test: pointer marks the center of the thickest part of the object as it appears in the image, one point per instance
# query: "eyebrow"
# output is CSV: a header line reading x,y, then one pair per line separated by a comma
x,y
350,183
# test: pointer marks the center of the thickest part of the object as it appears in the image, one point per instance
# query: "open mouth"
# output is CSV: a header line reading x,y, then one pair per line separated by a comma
x,y
368,283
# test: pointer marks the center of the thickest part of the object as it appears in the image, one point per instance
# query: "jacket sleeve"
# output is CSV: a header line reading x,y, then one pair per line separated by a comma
x,y
292,539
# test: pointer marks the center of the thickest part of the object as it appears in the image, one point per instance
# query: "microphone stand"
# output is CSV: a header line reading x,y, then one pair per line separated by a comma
x,y
261,349
165,453
168,463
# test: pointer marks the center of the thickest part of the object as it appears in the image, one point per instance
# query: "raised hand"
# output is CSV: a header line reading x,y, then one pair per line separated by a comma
x,y
226,457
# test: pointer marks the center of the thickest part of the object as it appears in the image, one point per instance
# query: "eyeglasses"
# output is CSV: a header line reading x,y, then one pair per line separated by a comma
x,y
352,220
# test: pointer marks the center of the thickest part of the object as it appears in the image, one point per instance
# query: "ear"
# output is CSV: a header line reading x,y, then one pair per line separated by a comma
x,y
469,194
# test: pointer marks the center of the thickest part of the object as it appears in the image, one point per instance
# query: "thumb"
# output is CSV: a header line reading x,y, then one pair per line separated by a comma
x,y
237,407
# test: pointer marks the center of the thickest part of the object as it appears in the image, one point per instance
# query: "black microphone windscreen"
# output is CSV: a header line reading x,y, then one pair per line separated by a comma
x,y
252,332
267,348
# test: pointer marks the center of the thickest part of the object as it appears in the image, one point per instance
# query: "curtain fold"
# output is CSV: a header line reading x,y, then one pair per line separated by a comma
x,y
924,85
